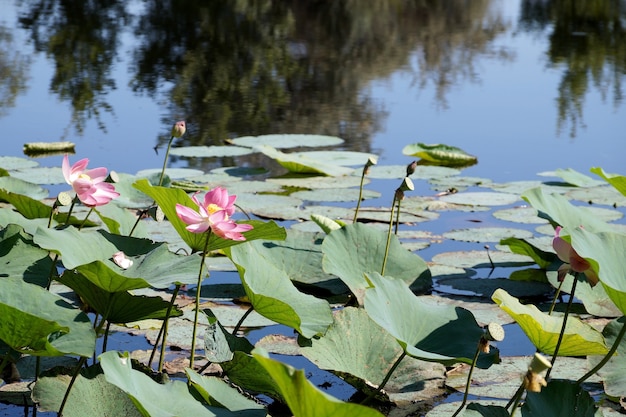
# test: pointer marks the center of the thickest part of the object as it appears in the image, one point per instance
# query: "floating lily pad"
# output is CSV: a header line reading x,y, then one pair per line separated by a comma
x,y
313,183
343,158
440,154
521,214
301,163
11,163
605,195
480,259
280,344
174,173
287,141
487,234
425,172
302,213
457,183
433,204
334,195
513,187
41,175
481,198
382,215
239,188
210,151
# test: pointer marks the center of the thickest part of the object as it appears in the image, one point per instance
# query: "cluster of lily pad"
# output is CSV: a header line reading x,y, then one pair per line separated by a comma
x,y
353,292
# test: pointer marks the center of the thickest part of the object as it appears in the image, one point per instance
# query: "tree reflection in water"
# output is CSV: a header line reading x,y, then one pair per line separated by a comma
x,y
234,68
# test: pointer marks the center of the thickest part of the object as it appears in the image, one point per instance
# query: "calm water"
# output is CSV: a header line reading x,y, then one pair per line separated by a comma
x,y
527,86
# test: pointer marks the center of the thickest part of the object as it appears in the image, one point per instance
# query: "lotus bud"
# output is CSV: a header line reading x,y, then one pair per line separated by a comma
x,y
179,129
121,260
372,160
410,169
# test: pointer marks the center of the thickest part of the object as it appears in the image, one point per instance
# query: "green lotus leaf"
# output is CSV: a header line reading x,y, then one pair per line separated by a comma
x,y
287,141
343,158
35,209
356,249
368,355
40,323
41,175
558,210
440,154
595,299
560,398
613,373
605,252
246,372
220,345
150,397
481,198
486,234
215,392
425,330
167,198
576,178
21,258
11,163
579,339
303,398
301,163
616,180
119,306
272,293
523,247
482,259
90,396
18,186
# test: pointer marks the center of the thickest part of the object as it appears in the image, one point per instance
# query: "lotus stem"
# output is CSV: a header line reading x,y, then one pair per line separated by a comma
x,y
245,315
515,398
469,381
393,206
561,334
105,338
358,203
165,327
5,360
556,296
197,305
85,219
397,217
386,379
167,153
607,357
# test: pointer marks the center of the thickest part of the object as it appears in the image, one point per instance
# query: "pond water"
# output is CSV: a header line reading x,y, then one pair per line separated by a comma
x,y
526,86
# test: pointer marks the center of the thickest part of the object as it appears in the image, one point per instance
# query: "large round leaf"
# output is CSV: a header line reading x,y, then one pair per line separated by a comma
x,y
38,322
287,141
605,251
440,154
20,257
561,398
425,330
305,400
301,163
356,249
579,339
274,296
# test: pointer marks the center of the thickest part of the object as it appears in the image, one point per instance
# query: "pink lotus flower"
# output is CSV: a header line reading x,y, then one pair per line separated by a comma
x,y
88,184
214,213
573,261
121,260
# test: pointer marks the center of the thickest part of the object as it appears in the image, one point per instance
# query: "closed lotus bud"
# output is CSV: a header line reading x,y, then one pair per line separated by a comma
x,y
410,169
179,129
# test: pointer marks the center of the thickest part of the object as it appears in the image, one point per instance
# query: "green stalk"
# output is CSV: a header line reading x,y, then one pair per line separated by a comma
x,y
562,333
607,357
469,381
245,315
386,379
85,219
164,328
80,364
197,305
556,296
398,217
393,205
358,204
167,153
